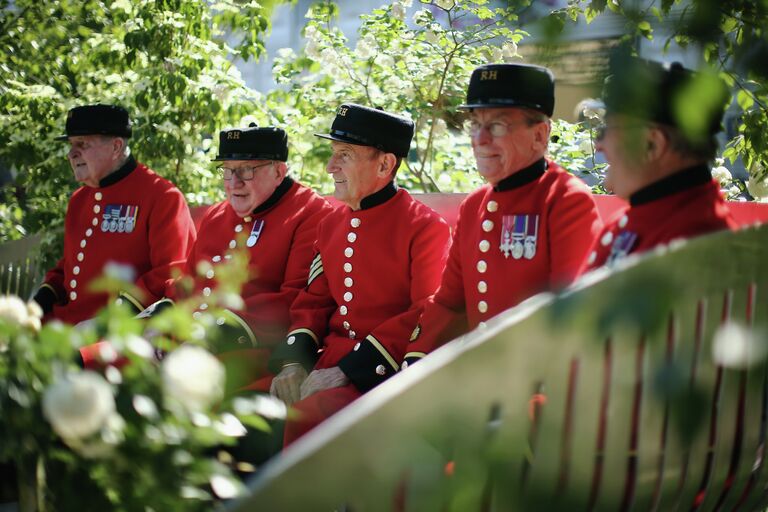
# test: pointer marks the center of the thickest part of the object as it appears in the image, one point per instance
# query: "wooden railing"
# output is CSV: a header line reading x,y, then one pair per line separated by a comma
x,y
608,397
19,266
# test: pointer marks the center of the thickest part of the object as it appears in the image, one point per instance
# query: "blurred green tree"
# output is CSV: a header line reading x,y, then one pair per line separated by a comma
x,y
168,61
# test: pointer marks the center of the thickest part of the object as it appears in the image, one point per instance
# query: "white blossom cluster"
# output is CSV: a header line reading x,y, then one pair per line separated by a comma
x,y
757,185
15,311
80,406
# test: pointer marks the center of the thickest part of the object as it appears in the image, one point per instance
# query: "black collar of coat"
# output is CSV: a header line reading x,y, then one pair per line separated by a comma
x,y
272,200
522,177
380,197
672,184
124,170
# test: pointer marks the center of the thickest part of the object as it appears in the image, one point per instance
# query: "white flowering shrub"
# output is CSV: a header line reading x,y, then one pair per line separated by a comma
x,y
411,58
140,432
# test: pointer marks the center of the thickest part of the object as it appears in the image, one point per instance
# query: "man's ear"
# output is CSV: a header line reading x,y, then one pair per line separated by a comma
x,y
281,169
656,144
118,146
387,165
541,133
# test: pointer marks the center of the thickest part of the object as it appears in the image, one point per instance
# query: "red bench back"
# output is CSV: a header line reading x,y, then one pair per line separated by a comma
x,y
447,205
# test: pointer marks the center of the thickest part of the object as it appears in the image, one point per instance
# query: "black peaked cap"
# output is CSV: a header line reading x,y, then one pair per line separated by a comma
x,y
253,143
364,126
653,91
512,85
98,120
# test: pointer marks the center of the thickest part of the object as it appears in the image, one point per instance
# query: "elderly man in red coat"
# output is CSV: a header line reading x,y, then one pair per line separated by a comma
x,y
274,219
124,213
527,230
662,169
378,258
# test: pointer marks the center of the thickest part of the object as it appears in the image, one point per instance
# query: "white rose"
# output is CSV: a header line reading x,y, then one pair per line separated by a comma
x,y
193,378
312,50
431,36
329,57
79,405
13,310
735,346
398,11
585,146
406,3
385,61
34,310
509,51
758,187
421,17
364,47
440,127
444,4
722,175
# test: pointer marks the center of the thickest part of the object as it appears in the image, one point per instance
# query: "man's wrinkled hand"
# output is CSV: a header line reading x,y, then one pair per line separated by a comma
x,y
326,378
287,384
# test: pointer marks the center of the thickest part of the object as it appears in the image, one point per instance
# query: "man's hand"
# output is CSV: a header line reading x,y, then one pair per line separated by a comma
x,y
286,384
326,378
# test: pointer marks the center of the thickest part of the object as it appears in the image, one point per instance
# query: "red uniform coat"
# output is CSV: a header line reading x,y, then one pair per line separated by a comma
x,y
528,234
134,217
684,205
283,230
374,270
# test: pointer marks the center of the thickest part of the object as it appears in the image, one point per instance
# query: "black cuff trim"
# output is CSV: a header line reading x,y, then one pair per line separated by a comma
x,y
228,337
131,301
298,347
46,298
366,367
155,308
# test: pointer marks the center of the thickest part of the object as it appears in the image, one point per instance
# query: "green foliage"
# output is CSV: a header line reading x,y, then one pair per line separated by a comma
x,y
732,39
154,432
167,61
419,69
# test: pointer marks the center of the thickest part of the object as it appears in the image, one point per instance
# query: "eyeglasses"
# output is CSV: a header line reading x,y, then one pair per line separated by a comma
x,y
244,173
495,128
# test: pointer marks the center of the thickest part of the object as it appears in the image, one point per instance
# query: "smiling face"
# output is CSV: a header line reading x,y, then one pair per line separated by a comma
x,y
523,143
93,157
246,195
358,171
